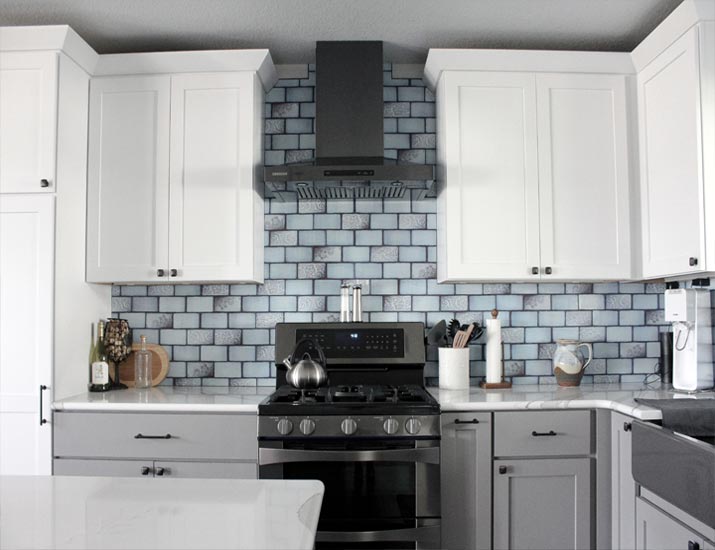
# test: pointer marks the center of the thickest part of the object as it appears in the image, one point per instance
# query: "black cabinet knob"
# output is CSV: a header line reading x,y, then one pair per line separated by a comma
x,y
502,470
693,262
160,272
627,427
535,270
44,183
145,470
160,471
547,270
173,272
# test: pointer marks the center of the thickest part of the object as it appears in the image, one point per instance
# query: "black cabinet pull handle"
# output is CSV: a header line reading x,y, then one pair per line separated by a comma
x,y
160,471
472,421
142,436
502,470
692,262
627,427
44,183
542,434
42,420
547,270
160,272
692,545
534,270
145,470
173,272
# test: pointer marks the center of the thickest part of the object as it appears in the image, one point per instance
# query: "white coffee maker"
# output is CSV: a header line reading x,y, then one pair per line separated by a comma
x,y
689,311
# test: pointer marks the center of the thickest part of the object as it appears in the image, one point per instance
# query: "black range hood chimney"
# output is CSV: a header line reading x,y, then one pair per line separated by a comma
x,y
349,133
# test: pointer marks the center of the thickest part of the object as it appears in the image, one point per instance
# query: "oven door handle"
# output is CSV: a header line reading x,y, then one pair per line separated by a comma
x,y
426,534
426,455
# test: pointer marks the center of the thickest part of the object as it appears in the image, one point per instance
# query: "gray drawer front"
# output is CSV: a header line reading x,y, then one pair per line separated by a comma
x,y
133,468
193,436
514,433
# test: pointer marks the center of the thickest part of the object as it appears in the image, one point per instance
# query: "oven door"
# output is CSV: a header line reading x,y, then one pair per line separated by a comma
x,y
378,493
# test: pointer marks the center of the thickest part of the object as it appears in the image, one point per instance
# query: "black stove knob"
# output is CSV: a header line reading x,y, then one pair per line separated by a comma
x,y
348,426
413,426
307,426
391,426
284,426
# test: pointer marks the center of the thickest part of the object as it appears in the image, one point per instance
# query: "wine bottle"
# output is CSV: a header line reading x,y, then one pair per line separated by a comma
x,y
99,375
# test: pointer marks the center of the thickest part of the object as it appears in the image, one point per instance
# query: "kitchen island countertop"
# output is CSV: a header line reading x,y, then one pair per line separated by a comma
x,y
615,397
42,512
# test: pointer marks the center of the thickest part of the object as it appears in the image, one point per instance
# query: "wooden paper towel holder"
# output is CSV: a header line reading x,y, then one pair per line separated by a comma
x,y
503,385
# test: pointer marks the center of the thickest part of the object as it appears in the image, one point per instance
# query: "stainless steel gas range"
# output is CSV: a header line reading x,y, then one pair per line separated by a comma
x,y
372,436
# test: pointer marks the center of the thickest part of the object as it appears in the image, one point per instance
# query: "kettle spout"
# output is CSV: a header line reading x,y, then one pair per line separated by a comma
x,y
287,363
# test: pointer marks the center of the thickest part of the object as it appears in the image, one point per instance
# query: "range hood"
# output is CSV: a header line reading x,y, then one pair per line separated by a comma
x,y
349,145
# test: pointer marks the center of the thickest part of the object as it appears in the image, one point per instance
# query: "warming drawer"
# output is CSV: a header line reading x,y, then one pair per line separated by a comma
x,y
677,468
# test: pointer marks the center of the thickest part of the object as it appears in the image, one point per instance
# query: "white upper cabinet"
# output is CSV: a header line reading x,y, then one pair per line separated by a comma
x,y
534,175
173,188
215,216
584,191
28,121
128,194
676,103
488,205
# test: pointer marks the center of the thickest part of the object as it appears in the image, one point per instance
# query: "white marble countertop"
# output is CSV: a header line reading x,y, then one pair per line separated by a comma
x,y
615,397
168,399
43,512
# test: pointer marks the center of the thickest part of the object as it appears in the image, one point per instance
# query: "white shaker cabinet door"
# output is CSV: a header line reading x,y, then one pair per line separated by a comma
x,y
27,229
216,220
28,121
672,184
583,177
488,213
128,179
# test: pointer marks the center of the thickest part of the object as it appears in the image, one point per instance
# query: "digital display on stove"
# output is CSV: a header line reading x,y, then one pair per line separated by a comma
x,y
351,343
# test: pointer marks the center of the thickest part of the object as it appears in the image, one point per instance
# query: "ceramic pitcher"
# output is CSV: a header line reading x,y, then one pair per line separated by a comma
x,y
569,363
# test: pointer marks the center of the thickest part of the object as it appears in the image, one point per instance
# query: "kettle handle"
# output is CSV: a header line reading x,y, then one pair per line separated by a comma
x,y
590,354
294,355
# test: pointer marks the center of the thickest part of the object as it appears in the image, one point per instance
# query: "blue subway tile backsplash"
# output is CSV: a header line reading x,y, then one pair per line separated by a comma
x,y
223,334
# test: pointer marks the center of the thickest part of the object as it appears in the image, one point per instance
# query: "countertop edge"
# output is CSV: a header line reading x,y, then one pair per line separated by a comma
x,y
149,408
640,412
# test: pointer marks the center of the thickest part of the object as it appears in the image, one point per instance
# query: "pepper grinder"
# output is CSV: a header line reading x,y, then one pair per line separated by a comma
x,y
357,304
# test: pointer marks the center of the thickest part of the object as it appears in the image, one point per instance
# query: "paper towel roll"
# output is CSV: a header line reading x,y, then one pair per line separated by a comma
x,y
494,350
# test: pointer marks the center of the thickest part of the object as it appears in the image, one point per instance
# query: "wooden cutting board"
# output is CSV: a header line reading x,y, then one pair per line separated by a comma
x,y
159,365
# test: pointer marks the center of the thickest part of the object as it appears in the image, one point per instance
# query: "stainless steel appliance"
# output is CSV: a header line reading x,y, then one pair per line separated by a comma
x,y
689,311
372,436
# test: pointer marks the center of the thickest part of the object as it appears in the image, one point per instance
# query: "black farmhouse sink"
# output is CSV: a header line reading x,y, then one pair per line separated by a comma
x,y
680,469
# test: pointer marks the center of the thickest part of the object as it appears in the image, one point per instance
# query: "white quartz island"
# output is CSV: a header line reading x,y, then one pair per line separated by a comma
x,y
43,512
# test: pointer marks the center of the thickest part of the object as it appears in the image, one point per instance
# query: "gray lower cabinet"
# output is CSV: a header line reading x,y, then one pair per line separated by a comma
x,y
544,475
542,503
150,468
623,486
196,445
466,481
656,530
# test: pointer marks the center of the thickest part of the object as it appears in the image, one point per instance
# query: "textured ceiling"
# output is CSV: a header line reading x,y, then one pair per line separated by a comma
x,y
290,28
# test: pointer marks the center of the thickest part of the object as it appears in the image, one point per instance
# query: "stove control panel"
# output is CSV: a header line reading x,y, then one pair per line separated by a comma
x,y
356,425
343,343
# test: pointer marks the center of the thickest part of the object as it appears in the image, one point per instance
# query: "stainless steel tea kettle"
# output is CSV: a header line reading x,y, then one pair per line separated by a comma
x,y
304,372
